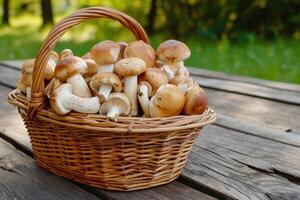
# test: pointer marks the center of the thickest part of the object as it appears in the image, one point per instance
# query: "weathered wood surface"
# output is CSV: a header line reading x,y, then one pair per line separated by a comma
x,y
259,110
20,179
237,78
233,159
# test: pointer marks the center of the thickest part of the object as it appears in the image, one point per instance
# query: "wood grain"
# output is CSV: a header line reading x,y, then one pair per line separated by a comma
x,y
244,79
262,112
244,167
22,179
250,90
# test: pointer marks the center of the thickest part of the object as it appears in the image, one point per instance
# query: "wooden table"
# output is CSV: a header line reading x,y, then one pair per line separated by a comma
x,y
251,152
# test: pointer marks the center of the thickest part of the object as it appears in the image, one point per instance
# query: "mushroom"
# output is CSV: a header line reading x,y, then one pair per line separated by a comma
x,y
122,45
65,53
105,54
69,70
130,68
149,82
142,50
173,53
116,104
51,86
27,70
63,101
103,83
92,69
168,101
195,100
182,81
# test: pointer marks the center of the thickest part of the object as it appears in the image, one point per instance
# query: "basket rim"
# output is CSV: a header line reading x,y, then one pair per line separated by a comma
x,y
97,122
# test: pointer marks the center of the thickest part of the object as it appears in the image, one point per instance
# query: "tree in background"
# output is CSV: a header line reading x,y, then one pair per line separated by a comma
x,y
5,17
47,13
152,16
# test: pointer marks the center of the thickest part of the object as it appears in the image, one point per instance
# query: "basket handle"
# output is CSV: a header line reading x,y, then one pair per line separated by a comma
x,y
38,99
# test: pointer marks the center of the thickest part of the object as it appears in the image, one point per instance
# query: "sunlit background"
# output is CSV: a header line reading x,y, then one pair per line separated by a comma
x,y
258,38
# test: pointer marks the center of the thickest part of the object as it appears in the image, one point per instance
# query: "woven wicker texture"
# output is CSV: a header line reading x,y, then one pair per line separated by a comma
x,y
132,153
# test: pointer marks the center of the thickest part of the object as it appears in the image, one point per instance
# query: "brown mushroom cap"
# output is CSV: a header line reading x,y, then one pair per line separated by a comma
x,y
105,52
155,77
122,45
27,68
179,79
69,67
106,78
168,101
195,100
130,67
65,53
142,50
92,68
173,51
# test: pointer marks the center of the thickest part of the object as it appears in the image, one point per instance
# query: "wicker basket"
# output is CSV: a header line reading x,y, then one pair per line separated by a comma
x,y
132,153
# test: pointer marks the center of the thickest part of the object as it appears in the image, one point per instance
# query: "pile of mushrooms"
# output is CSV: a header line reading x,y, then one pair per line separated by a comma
x,y
120,79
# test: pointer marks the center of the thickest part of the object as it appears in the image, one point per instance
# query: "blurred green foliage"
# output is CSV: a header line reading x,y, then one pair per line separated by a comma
x,y
257,38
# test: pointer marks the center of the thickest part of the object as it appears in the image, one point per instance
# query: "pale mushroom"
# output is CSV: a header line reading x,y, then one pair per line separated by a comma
x,y
173,53
149,82
102,84
63,101
130,68
116,104
168,101
65,53
105,54
195,100
69,70
27,70
142,50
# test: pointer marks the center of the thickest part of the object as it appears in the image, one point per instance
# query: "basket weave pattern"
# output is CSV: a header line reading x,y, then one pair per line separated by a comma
x,y
132,153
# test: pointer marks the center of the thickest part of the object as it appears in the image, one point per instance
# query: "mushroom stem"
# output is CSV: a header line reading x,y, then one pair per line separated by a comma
x,y
104,92
28,92
113,112
82,105
80,87
130,89
106,68
169,72
144,99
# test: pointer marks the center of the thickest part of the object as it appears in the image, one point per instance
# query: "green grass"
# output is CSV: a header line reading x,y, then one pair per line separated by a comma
x,y
275,60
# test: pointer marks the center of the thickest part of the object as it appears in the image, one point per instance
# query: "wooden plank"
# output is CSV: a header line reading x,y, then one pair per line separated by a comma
x,y
250,90
242,166
232,77
260,111
13,129
174,190
22,179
